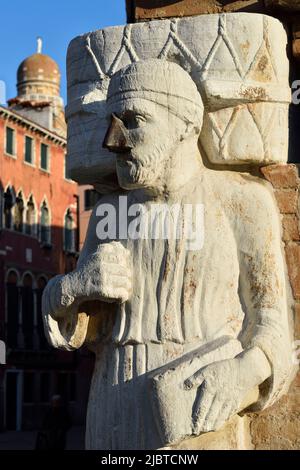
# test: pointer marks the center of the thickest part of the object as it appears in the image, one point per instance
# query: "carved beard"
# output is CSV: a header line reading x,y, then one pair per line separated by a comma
x,y
147,171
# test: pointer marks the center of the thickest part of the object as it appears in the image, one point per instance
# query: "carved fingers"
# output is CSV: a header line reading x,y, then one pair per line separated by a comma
x,y
218,395
57,297
107,274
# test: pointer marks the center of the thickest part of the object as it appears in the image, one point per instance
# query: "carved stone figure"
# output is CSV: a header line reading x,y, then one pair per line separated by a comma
x,y
184,338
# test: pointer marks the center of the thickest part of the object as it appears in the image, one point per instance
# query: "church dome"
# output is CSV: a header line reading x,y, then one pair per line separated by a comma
x,y
38,77
38,85
38,67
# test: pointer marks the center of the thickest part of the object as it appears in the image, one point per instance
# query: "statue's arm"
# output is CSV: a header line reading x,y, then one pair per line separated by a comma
x,y
66,327
263,292
103,275
263,370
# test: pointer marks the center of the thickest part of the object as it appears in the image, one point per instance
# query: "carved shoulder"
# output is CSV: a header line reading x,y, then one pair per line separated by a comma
x,y
251,208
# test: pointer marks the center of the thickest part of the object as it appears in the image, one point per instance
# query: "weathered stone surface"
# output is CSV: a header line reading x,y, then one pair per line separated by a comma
x,y
287,200
282,176
290,224
293,262
234,435
297,321
278,428
238,62
141,10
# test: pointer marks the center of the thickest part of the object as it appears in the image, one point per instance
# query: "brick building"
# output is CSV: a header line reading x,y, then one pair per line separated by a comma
x,y
39,236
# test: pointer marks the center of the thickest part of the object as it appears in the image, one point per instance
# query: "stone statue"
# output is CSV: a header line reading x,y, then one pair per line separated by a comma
x,y
184,337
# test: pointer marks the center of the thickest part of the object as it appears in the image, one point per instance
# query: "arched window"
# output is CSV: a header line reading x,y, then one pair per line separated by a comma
x,y
45,223
12,309
69,232
27,299
8,206
19,210
30,217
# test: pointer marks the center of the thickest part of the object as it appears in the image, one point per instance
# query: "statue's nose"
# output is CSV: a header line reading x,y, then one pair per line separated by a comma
x,y
116,139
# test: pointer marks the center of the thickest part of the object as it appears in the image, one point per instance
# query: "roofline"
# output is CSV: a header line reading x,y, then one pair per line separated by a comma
x,y
55,138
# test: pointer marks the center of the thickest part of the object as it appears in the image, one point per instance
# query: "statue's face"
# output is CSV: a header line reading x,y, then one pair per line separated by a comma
x,y
143,136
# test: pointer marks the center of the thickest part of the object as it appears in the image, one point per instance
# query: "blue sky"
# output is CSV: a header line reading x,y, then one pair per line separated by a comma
x,y
57,22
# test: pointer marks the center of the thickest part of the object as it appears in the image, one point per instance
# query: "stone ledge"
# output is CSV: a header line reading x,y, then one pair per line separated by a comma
x,y
141,10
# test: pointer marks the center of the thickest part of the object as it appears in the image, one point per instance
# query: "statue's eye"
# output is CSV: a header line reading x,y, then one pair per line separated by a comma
x,y
132,120
140,118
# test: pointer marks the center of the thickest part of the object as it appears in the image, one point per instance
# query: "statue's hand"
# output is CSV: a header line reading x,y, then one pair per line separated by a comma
x,y
223,387
106,276
56,297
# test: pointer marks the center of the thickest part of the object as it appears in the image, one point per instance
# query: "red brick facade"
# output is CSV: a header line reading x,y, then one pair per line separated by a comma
x,y
59,193
30,254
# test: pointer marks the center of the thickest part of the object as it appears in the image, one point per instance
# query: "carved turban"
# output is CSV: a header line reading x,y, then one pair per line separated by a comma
x,y
162,82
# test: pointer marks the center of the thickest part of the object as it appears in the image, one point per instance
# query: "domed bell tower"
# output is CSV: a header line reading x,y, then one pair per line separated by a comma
x,y
38,85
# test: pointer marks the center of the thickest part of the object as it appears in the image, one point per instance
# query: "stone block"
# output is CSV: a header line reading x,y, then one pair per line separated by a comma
x,y
293,263
287,200
297,321
290,225
296,48
278,428
282,176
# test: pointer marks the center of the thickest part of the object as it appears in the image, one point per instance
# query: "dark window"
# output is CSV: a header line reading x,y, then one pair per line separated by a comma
x,y
30,217
8,205
28,149
69,232
11,400
62,385
10,141
28,387
73,387
67,177
90,198
12,312
66,385
45,226
19,209
27,311
45,157
45,387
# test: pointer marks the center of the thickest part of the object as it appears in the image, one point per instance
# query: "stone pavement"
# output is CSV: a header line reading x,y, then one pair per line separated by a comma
x,y
25,440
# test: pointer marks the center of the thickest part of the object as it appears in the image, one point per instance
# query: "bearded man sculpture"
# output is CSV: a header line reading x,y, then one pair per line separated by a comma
x,y
184,338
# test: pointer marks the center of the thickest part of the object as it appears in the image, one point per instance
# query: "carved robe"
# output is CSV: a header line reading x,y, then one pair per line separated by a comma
x,y
233,286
